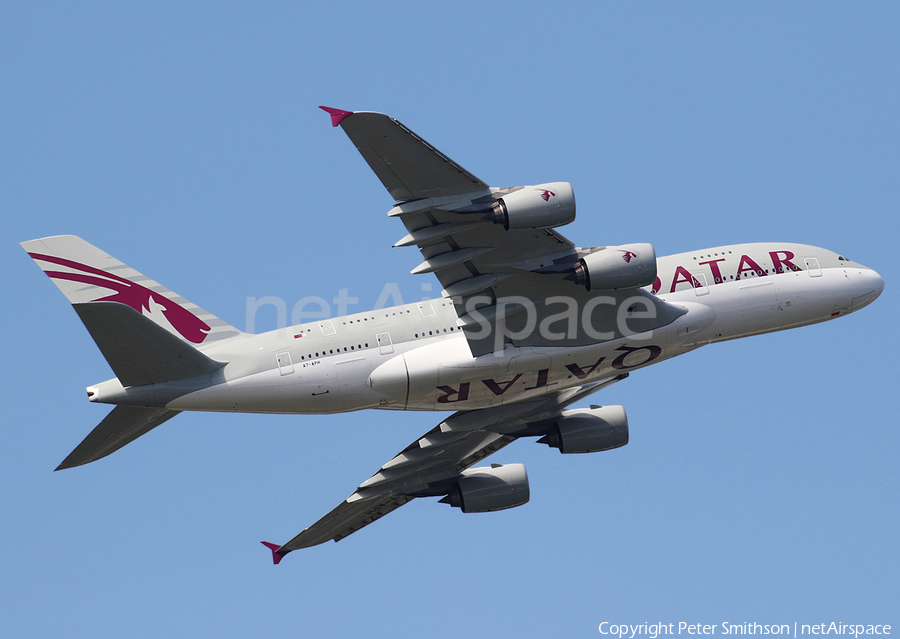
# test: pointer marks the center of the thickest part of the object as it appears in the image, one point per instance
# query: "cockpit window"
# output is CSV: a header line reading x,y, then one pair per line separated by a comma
x,y
842,258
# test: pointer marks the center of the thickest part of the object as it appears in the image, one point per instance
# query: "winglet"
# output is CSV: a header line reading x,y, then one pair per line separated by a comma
x,y
336,114
276,556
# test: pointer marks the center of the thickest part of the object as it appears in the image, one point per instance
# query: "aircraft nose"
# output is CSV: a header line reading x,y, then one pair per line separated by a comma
x,y
878,281
873,284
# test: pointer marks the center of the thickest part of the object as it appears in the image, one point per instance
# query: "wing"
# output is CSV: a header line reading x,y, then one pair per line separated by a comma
x,y
489,247
430,465
407,165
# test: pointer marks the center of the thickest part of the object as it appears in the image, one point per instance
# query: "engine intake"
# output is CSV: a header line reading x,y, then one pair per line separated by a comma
x,y
484,490
536,207
614,267
588,430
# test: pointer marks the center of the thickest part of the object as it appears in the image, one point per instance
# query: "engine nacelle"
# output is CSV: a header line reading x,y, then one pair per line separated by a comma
x,y
588,430
613,267
536,207
484,490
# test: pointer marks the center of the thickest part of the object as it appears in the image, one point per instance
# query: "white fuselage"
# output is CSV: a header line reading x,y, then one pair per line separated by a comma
x,y
414,357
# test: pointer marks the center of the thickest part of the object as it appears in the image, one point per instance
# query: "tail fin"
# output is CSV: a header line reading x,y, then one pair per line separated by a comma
x,y
146,332
84,274
122,426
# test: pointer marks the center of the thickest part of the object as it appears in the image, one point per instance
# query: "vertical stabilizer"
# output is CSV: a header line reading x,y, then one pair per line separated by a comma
x,y
85,274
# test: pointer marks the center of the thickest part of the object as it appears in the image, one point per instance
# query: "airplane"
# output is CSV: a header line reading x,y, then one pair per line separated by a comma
x,y
528,324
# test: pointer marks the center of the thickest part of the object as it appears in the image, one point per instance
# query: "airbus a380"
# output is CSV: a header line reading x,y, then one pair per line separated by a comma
x,y
528,324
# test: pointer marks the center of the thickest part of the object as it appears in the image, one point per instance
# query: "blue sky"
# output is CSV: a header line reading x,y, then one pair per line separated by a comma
x,y
760,483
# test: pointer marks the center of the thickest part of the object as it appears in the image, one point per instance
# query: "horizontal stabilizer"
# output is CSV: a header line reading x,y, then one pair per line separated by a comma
x,y
138,349
122,426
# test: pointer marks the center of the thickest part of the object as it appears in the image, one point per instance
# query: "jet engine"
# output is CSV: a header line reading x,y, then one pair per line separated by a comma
x,y
536,207
484,490
588,430
612,267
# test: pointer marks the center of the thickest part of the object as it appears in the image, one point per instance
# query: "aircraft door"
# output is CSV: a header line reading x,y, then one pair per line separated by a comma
x,y
700,287
327,328
385,346
812,267
285,366
426,309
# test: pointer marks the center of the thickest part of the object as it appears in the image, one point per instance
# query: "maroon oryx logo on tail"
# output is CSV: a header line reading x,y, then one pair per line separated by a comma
x,y
628,255
138,297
